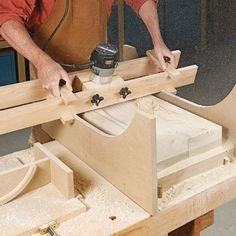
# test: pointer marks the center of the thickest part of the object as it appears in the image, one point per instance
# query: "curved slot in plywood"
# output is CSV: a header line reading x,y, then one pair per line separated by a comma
x,y
20,187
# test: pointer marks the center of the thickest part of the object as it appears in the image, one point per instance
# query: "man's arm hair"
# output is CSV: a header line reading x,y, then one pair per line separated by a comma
x,y
149,15
18,37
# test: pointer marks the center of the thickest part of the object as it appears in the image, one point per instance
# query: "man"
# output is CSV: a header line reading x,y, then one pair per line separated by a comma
x,y
84,27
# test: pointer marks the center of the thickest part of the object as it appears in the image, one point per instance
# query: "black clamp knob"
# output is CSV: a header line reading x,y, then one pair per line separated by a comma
x,y
62,82
96,99
124,92
166,59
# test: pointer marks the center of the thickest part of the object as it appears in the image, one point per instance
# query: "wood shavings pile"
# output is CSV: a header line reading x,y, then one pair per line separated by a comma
x,y
109,210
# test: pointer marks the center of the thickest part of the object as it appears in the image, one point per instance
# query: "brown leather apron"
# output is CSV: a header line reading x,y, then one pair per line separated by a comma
x,y
84,27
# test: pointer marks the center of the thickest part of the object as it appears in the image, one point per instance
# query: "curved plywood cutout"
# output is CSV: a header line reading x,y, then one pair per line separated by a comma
x,y
127,161
20,187
222,113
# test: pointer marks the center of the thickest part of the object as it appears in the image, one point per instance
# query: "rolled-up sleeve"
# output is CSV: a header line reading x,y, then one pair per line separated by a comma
x,y
17,10
136,4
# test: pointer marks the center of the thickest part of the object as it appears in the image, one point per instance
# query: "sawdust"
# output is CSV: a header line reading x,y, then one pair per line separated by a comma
x,y
16,159
109,210
35,209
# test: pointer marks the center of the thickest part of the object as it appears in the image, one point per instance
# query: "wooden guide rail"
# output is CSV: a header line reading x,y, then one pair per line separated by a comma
x,y
54,108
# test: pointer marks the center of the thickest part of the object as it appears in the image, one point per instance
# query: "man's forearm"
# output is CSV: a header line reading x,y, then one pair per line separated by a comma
x,y
148,13
18,37
49,72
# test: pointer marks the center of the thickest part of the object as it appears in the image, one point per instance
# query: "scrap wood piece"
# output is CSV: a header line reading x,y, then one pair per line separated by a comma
x,y
20,187
52,109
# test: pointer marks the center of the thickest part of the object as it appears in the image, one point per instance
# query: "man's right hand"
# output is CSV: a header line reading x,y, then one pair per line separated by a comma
x,y
50,73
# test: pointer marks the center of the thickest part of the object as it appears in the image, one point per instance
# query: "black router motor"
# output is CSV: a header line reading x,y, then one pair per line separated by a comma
x,y
104,59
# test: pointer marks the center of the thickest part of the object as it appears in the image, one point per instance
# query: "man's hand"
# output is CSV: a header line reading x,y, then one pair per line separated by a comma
x,y
50,73
148,13
162,51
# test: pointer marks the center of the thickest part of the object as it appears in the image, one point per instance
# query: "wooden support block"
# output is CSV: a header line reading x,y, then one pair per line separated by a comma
x,y
129,52
195,227
67,119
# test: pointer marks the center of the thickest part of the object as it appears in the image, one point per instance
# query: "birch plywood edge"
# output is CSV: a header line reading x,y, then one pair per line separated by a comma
x,y
127,161
222,113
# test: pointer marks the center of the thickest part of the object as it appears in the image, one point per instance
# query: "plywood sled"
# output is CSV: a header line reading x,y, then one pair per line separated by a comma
x,y
148,144
156,144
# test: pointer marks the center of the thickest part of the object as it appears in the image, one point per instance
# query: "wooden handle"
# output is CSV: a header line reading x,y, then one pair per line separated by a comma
x,y
20,187
171,70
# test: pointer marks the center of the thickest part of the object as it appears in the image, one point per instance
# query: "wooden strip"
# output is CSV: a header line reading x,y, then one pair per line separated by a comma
x,y
121,27
20,187
22,93
21,68
130,69
31,91
61,175
191,167
53,109
140,67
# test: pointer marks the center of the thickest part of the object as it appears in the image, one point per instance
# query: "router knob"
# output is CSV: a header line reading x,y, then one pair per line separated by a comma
x,y
96,99
124,92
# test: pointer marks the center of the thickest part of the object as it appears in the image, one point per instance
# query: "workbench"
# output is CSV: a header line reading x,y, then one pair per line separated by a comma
x,y
117,177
